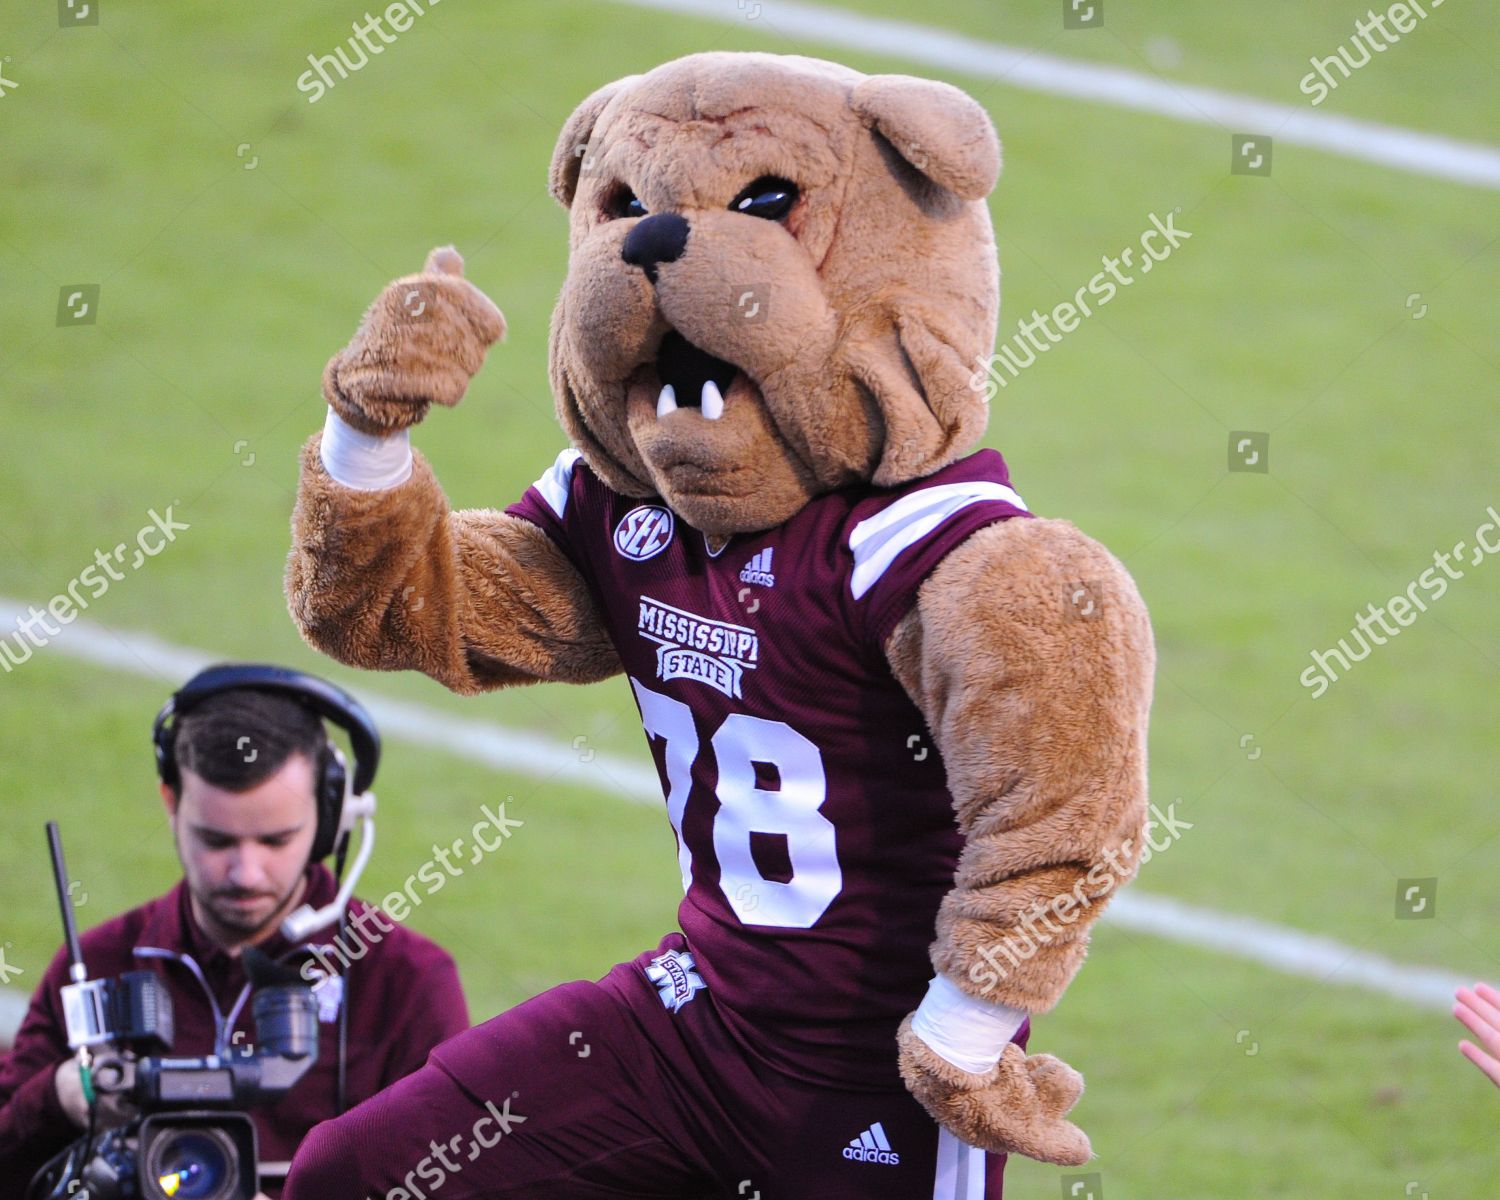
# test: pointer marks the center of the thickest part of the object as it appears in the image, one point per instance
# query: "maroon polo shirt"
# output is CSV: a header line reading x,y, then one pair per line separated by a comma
x,y
405,999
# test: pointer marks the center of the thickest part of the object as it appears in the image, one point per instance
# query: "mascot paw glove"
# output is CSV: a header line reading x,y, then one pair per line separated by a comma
x,y
1016,1107
419,344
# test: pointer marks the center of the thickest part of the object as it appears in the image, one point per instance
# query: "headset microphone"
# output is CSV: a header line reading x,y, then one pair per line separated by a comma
x,y
306,919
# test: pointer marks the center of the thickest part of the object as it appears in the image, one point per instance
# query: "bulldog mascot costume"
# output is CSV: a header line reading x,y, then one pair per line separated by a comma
x,y
900,721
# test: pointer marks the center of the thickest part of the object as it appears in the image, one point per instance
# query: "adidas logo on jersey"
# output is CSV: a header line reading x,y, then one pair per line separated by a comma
x,y
872,1146
758,569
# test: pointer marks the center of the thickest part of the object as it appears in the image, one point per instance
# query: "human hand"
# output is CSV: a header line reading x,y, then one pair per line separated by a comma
x,y
68,1084
111,1108
1478,1010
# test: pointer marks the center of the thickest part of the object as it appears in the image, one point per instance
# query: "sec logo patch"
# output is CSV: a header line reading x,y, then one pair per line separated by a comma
x,y
644,532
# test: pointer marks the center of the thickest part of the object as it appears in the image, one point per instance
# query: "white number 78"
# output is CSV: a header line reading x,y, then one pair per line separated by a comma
x,y
744,808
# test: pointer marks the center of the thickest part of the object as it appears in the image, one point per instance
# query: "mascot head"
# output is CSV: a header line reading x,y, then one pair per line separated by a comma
x,y
781,275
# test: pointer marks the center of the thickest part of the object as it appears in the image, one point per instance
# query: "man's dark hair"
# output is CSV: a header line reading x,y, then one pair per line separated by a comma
x,y
240,738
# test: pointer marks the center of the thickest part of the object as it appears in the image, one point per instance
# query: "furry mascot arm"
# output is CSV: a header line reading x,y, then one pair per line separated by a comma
x,y
1029,652
386,577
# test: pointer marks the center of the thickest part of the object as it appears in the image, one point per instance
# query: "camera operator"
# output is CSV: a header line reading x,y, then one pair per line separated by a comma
x,y
254,791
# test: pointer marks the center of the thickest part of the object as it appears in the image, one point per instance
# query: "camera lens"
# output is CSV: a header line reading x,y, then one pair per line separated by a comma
x,y
286,1021
192,1164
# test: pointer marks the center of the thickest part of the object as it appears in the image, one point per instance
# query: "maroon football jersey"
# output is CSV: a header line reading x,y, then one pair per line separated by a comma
x,y
815,831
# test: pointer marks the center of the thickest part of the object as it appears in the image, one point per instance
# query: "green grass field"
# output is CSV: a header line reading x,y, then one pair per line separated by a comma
x,y
237,233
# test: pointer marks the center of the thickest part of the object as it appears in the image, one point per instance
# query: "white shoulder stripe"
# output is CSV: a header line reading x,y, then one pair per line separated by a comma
x,y
557,481
876,541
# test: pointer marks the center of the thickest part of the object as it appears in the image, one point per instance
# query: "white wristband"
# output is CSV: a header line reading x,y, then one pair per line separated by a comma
x,y
969,1033
364,461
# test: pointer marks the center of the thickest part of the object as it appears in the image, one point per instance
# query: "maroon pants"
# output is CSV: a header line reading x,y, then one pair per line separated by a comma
x,y
596,1090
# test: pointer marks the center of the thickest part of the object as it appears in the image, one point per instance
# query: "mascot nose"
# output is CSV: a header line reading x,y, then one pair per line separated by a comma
x,y
655,239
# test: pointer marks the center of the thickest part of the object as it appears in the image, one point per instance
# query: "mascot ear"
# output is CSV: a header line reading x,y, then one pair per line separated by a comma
x,y
573,143
939,130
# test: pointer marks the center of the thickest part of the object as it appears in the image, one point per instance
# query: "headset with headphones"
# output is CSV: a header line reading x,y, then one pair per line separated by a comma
x,y
334,789
341,801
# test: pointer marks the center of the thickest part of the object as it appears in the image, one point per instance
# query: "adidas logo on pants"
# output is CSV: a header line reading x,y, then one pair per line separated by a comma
x,y
872,1146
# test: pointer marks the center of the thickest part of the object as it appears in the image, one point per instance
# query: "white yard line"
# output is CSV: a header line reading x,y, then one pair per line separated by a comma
x,y
522,751
12,1013
1289,951
1016,66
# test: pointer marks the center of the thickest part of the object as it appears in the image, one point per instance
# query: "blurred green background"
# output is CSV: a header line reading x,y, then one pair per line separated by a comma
x,y
236,232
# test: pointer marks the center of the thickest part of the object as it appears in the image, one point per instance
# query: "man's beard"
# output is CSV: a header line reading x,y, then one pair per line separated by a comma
x,y
246,926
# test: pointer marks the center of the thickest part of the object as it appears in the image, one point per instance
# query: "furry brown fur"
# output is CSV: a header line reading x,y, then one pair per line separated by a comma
x,y
1030,655
878,294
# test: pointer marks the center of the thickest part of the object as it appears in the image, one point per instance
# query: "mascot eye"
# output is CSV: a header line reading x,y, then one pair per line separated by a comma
x,y
769,197
623,203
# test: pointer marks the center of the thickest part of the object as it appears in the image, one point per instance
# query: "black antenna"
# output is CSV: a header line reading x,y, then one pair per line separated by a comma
x,y
65,902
